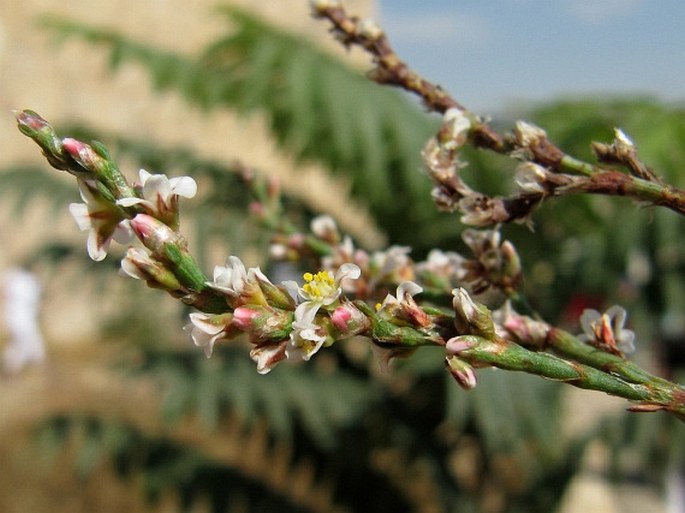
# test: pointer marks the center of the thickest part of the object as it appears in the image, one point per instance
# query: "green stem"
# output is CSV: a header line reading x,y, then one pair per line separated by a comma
x,y
574,166
567,345
507,355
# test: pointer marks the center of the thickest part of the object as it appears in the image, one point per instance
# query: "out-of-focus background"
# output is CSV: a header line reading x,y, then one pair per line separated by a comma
x,y
121,413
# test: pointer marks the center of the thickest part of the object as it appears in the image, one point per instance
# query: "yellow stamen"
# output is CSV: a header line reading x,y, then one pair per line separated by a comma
x,y
319,285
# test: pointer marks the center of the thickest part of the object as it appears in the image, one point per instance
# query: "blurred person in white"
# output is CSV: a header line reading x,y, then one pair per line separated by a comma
x,y
22,294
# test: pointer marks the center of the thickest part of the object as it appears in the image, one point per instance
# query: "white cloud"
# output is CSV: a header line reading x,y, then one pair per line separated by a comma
x,y
593,12
454,29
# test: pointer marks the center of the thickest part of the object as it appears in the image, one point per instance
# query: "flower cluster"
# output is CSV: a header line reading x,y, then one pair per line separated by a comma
x,y
106,220
606,330
320,291
160,196
103,221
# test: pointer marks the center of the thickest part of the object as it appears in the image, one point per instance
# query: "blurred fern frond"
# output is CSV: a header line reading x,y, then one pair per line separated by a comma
x,y
245,471
21,186
290,400
319,108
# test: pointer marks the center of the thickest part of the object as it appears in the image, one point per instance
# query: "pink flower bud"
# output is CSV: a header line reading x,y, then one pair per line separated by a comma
x,y
152,232
340,317
461,343
73,146
462,372
243,317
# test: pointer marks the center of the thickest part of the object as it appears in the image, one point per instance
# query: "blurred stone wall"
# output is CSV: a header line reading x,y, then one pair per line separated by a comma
x,y
71,82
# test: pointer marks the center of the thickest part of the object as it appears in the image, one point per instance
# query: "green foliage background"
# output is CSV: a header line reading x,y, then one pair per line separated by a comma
x,y
410,440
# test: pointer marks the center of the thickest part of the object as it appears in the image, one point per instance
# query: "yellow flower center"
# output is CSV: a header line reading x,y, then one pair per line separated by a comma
x,y
319,285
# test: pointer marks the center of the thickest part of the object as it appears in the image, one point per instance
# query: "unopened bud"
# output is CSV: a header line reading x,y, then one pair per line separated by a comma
x,y
349,320
455,129
528,135
471,318
86,156
171,248
139,265
153,233
461,371
622,139
456,345
243,317
263,325
370,29
325,228
530,177
511,268
32,125
95,159
319,6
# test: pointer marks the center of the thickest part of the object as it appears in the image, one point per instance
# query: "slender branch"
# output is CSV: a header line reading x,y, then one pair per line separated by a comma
x,y
650,394
641,183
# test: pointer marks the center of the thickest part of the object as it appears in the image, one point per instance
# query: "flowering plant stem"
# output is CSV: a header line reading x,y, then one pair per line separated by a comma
x,y
619,378
289,321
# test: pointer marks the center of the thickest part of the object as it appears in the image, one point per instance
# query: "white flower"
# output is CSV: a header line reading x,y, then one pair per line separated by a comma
x,y
233,278
323,288
160,194
405,290
305,338
606,330
267,356
135,260
443,263
206,329
530,177
324,227
230,278
459,125
528,134
392,264
102,220
320,290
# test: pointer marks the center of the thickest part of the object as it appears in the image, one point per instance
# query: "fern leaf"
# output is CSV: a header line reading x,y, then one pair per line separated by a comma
x,y
258,67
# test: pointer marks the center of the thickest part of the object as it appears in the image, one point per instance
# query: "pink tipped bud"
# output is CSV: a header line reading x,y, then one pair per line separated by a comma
x,y
462,372
151,232
461,343
243,317
340,317
73,146
471,317
84,154
30,120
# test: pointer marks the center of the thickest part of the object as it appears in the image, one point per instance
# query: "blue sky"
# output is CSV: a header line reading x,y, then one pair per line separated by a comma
x,y
493,54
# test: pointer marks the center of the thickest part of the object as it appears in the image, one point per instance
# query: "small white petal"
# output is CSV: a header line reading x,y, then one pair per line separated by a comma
x,y
322,225
96,251
183,186
79,211
157,186
129,202
348,271
144,175
123,233
587,319
622,138
131,269
408,288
